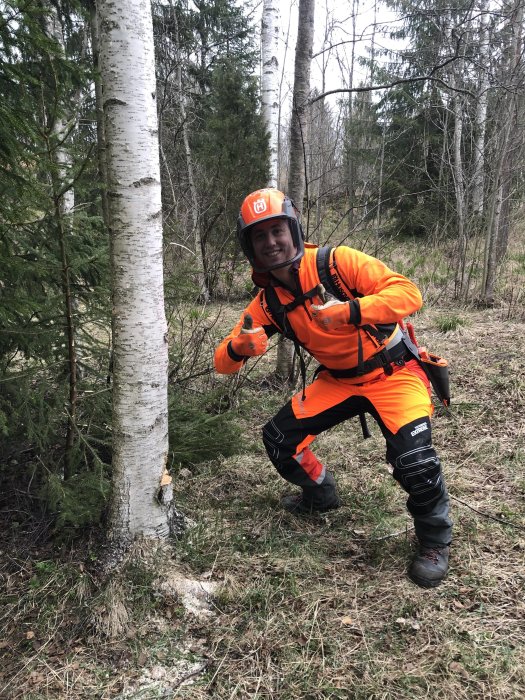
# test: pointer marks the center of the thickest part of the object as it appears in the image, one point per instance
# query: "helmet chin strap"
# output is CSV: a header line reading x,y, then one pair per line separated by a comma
x,y
278,266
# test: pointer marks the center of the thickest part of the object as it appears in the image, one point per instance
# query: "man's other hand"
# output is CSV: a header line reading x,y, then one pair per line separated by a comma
x,y
331,315
250,343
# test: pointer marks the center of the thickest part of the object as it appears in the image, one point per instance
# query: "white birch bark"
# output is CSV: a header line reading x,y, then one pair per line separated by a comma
x,y
270,28
480,118
140,415
459,189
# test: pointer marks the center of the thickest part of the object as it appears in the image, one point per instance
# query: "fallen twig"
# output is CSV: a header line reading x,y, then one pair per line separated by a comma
x,y
488,515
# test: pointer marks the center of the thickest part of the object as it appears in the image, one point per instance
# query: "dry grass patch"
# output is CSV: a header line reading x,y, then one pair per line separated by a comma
x,y
321,607
313,608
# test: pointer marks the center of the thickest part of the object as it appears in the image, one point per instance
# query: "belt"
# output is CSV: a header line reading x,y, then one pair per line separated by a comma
x,y
394,351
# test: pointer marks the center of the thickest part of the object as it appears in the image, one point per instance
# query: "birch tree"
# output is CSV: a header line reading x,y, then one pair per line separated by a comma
x,y
270,27
478,175
458,174
270,112
140,416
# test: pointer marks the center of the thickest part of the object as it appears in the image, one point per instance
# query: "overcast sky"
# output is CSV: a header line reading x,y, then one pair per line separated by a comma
x,y
339,17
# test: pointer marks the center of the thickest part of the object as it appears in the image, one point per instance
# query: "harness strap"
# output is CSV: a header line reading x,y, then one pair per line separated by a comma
x,y
299,300
395,351
278,311
332,282
325,275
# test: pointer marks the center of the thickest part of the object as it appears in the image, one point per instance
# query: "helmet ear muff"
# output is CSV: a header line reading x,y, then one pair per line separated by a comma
x,y
297,234
292,214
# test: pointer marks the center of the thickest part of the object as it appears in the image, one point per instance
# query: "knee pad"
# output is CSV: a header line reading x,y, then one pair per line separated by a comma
x,y
273,440
419,473
302,470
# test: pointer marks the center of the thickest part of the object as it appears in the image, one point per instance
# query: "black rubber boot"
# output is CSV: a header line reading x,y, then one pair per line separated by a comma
x,y
430,566
313,499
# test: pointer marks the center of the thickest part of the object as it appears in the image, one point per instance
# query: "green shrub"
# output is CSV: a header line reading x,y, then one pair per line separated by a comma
x,y
450,323
197,432
78,502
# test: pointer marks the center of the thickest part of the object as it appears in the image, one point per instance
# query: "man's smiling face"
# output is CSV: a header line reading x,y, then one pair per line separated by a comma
x,y
272,243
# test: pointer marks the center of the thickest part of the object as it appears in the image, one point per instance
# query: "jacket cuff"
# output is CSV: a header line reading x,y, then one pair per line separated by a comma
x,y
233,355
355,312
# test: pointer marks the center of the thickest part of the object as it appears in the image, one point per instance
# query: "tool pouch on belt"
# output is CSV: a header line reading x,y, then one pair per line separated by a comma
x,y
436,369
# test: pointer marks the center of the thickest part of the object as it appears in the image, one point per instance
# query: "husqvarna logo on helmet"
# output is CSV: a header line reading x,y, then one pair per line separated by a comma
x,y
259,206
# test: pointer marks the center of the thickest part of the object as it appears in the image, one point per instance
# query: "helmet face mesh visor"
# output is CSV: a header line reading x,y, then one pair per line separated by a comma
x,y
262,205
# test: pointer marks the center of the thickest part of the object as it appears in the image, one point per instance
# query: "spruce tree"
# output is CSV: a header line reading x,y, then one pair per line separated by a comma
x,y
45,259
216,49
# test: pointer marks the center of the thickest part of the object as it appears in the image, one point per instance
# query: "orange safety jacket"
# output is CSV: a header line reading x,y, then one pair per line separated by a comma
x,y
382,296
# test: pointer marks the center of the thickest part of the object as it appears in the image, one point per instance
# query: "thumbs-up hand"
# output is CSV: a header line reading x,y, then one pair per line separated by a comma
x,y
332,313
250,341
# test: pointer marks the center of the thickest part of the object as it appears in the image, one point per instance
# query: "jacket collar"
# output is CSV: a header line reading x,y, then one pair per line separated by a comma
x,y
266,279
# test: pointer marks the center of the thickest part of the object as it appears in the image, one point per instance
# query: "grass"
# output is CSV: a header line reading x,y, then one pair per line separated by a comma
x,y
306,609
450,323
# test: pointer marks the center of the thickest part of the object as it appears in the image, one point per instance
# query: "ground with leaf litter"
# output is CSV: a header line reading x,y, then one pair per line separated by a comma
x,y
316,608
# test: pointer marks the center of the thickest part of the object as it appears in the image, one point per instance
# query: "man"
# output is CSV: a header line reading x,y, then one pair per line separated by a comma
x,y
365,367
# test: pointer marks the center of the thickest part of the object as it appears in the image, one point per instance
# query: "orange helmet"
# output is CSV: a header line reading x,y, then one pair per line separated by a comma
x,y
264,204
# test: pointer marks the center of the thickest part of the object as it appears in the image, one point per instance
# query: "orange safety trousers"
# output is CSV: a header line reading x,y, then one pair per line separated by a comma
x,y
401,405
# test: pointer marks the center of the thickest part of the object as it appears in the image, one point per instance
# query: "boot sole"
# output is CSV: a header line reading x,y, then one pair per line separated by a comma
x,y
425,582
309,511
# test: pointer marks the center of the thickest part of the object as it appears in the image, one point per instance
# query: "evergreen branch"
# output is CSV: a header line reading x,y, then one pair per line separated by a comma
x,y
73,181
30,372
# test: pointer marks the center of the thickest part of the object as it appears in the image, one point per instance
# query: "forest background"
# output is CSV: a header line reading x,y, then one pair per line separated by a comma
x,y
416,157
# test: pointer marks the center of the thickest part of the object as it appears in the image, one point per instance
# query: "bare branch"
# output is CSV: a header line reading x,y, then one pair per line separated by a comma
x,y
400,81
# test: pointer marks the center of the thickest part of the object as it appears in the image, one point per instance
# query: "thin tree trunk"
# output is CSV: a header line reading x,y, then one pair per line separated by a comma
x,y
516,139
348,144
317,172
201,276
380,191
296,173
489,267
140,415
280,165
269,81
480,119
99,110
459,189
301,90
505,151
63,206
